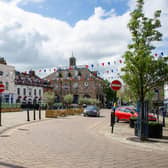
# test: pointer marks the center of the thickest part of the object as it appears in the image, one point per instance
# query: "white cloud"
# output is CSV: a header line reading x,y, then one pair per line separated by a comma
x,y
29,40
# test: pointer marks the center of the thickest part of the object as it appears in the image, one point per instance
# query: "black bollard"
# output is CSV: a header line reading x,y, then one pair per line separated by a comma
x,y
112,120
34,114
28,117
39,112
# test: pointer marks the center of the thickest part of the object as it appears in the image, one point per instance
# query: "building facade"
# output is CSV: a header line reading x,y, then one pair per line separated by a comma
x,y
78,81
30,88
7,77
166,96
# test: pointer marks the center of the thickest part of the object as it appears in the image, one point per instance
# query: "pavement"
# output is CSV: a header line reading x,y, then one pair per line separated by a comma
x,y
75,141
11,120
122,132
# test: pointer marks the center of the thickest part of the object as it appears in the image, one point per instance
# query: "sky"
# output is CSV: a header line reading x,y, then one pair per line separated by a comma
x,y
40,34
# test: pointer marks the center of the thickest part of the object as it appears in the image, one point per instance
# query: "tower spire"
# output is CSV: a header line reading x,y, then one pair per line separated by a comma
x,y
72,60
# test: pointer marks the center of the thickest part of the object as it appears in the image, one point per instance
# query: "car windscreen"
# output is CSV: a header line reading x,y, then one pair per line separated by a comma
x,y
91,108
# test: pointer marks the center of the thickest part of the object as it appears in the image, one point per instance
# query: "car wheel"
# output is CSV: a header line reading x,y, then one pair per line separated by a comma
x,y
84,114
116,119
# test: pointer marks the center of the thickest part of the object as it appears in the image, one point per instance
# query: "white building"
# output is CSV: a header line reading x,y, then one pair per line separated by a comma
x,y
29,87
7,77
166,95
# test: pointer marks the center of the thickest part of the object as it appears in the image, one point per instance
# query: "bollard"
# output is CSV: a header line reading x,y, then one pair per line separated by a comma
x,y
112,121
34,113
39,112
28,117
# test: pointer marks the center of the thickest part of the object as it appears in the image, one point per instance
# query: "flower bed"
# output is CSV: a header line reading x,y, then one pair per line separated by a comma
x,y
62,112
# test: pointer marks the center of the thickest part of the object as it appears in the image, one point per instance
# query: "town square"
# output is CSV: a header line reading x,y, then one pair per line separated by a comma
x,y
83,84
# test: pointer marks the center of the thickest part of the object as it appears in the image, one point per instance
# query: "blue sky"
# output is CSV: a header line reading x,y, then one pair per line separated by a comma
x,y
72,11
40,34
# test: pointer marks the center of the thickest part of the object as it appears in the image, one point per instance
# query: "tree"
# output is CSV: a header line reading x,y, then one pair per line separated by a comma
x,y
110,94
142,71
126,95
87,101
49,98
68,99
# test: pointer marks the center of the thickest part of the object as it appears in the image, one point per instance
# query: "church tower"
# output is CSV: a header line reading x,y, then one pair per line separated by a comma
x,y
72,61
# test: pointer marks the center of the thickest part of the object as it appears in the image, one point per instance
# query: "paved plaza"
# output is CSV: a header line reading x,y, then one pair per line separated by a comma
x,y
76,142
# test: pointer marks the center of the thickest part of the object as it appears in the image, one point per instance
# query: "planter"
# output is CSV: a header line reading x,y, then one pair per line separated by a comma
x,y
155,130
11,109
65,112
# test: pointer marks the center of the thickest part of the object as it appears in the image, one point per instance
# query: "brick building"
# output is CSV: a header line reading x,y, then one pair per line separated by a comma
x,y
78,81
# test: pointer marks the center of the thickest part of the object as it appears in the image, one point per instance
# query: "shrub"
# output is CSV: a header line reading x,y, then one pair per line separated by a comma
x,y
68,99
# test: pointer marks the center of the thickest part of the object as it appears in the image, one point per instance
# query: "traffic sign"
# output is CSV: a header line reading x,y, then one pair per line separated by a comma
x,y
116,85
2,88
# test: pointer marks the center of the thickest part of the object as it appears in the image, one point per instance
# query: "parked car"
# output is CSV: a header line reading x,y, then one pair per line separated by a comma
x,y
91,110
126,112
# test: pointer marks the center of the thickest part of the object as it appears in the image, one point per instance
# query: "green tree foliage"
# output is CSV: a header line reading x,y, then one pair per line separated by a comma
x,y
142,71
68,99
88,101
49,98
126,95
110,94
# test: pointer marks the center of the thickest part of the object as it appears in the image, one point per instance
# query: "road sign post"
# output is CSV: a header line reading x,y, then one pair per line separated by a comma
x,y
2,88
115,85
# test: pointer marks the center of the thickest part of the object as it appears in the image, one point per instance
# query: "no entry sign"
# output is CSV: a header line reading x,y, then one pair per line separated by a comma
x,y
2,88
116,85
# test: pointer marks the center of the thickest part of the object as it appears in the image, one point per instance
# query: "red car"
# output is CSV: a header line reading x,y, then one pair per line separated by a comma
x,y
124,113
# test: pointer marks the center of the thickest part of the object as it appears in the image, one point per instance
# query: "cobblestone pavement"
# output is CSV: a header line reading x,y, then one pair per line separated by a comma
x,y
76,142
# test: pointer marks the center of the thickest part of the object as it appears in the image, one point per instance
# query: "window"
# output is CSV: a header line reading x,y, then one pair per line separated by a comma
x,y
24,91
127,110
18,91
7,86
30,91
34,92
65,74
1,73
40,92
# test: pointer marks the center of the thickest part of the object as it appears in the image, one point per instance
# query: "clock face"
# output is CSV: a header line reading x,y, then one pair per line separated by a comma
x,y
86,84
75,85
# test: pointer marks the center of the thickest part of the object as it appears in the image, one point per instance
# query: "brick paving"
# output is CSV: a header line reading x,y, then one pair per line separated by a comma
x,y
78,142
11,119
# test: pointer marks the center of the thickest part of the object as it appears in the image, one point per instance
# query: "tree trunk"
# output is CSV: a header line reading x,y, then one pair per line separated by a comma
x,y
142,113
